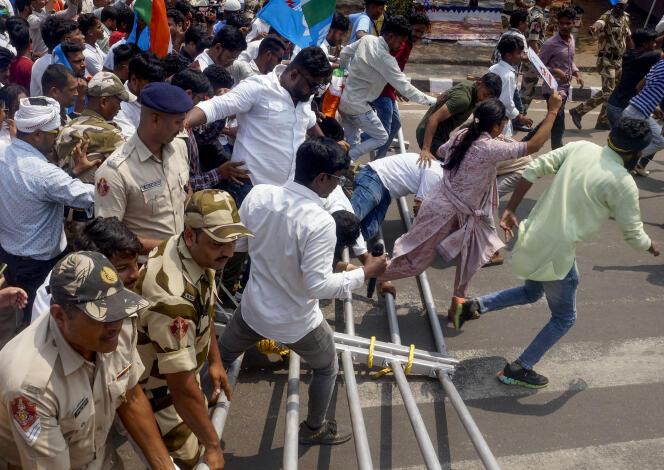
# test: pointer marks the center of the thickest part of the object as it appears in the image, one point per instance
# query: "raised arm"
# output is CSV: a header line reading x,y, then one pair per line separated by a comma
x,y
426,156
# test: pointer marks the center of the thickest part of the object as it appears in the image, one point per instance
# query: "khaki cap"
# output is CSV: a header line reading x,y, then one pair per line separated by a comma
x,y
214,212
108,84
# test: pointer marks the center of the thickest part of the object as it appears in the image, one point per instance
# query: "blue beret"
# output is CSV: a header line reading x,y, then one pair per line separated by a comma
x,y
166,98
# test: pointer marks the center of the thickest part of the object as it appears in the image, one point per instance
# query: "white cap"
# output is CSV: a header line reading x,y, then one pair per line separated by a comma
x,y
232,5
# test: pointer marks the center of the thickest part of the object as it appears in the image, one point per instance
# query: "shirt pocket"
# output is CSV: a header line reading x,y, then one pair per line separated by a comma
x,y
275,110
154,196
77,424
117,389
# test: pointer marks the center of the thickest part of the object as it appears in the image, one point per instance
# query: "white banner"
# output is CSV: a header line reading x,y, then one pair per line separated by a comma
x,y
542,70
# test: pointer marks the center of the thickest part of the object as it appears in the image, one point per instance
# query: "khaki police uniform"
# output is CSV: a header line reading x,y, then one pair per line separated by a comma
x,y
144,192
536,32
56,408
175,332
612,45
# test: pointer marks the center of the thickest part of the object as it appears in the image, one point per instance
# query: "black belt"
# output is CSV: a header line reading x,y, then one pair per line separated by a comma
x,y
609,56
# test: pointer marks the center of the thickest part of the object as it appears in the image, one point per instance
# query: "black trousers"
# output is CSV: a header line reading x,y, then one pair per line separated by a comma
x,y
558,128
28,274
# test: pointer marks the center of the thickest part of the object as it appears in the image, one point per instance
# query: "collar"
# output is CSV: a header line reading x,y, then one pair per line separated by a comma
x,y
254,67
143,152
94,114
71,359
204,55
557,37
504,64
304,192
383,43
192,270
91,47
613,155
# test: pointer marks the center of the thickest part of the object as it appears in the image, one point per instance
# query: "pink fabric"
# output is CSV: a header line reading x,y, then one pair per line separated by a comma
x,y
450,219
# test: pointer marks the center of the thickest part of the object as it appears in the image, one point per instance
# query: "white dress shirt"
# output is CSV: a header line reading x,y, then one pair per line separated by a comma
x,y
109,61
402,176
291,261
36,19
240,70
258,26
94,58
270,127
129,116
38,69
204,60
251,52
372,68
507,75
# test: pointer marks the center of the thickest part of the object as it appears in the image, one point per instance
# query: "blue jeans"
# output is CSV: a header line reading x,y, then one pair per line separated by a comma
x,y
657,142
370,201
388,113
519,106
238,191
613,113
561,297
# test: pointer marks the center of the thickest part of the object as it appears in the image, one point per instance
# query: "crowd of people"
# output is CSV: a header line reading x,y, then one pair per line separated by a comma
x,y
141,196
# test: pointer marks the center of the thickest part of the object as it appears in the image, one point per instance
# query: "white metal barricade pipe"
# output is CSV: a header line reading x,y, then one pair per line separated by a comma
x,y
652,7
357,420
292,413
220,410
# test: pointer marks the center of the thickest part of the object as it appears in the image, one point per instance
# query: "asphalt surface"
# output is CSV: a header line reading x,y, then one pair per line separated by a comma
x,y
603,406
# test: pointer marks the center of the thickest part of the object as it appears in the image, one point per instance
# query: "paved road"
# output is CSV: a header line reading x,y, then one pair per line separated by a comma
x,y
603,407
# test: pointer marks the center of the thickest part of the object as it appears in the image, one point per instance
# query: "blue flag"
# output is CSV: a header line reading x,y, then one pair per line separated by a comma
x,y
303,22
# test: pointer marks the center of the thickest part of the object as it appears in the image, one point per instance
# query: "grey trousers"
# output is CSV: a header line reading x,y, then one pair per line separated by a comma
x,y
316,347
506,184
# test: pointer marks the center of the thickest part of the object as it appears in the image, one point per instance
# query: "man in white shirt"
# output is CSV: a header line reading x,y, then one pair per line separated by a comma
x,y
335,36
251,52
226,46
372,68
291,269
389,178
37,17
143,69
54,31
510,49
92,30
274,115
259,29
270,53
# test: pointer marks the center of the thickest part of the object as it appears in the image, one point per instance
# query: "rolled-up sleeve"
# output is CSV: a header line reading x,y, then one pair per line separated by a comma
x,y
239,100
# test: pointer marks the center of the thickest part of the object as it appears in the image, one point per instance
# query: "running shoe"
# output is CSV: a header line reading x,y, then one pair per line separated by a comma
x,y
512,375
462,310
329,433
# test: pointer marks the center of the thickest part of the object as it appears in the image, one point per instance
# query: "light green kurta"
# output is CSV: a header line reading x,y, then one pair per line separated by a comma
x,y
591,184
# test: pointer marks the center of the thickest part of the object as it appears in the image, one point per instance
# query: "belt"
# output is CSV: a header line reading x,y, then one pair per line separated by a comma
x,y
609,56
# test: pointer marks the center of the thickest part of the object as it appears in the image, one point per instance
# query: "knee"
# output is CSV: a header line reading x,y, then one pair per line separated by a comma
x,y
563,322
533,293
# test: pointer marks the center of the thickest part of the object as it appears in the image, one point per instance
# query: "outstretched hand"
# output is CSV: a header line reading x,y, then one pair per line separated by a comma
x,y
507,222
426,157
80,156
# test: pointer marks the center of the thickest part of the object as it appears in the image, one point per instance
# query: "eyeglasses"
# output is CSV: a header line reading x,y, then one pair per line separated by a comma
x,y
341,179
313,88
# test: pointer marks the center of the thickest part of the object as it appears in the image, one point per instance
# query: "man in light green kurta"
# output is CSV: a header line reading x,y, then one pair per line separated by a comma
x,y
591,184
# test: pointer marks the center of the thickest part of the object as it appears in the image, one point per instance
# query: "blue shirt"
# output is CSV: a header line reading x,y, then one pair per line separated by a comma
x,y
360,22
652,93
33,195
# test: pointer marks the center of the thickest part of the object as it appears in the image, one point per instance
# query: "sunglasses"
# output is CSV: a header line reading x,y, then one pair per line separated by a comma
x,y
313,88
341,179
54,131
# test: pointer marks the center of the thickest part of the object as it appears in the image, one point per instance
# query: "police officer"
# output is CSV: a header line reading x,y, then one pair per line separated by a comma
x,y
177,331
614,39
535,36
94,129
145,182
72,370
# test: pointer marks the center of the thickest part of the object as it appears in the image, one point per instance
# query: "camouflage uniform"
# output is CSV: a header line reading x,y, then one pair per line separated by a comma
x,y
175,332
56,408
612,45
507,11
536,32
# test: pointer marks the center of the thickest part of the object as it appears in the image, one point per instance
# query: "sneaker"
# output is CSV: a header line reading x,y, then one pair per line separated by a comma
x,y
462,310
576,117
641,171
517,375
329,434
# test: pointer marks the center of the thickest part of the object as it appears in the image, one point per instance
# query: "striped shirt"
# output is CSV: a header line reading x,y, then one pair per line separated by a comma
x,y
652,93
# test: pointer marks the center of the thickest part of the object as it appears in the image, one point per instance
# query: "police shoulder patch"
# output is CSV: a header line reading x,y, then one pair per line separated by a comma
x,y
25,417
178,328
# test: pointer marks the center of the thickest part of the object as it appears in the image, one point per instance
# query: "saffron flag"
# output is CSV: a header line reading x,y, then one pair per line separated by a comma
x,y
303,22
155,36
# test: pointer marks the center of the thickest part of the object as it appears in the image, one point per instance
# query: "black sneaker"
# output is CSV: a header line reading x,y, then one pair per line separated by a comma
x,y
519,376
602,126
576,117
462,310
329,434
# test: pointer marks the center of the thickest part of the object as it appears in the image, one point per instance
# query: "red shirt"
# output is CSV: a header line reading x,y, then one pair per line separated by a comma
x,y
115,37
20,71
401,55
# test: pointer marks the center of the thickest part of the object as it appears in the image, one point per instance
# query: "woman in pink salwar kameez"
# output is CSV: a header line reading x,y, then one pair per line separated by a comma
x,y
450,220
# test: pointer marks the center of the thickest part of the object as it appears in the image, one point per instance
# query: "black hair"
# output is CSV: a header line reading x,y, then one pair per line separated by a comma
x,y
173,63
567,13
124,53
271,44
146,66
230,39
192,79
218,77
177,16
272,31
397,25
21,4
239,20
509,44
9,95
54,29
68,47
312,60
6,57
493,82
184,7
517,17
632,135
643,35
126,17
331,128
348,230
196,34
56,75
19,32
375,2
87,21
319,155
340,22
488,113
109,13
108,236
419,17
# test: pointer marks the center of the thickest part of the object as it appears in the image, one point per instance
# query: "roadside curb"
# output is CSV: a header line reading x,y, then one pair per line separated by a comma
x,y
439,85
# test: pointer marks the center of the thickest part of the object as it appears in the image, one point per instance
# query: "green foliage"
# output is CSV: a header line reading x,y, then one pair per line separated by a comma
x,y
400,7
